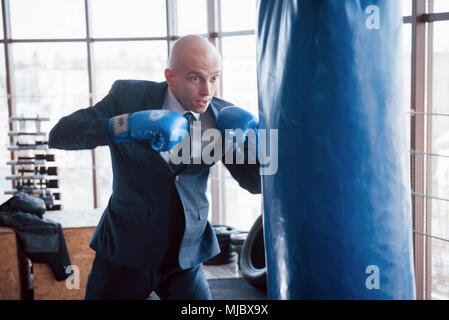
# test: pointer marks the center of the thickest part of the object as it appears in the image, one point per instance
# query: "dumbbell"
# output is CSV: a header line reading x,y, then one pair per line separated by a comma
x,y
52,184
47,157
54,207
37,143
51,171
55,196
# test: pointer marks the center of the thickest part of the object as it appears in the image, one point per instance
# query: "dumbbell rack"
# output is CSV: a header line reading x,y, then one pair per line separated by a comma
x,y
30,154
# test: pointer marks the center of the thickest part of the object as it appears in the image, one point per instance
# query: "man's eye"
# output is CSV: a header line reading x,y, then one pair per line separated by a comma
x,y
195,79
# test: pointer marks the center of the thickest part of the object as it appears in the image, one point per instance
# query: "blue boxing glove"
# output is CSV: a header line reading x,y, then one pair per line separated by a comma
x,y
163,128
235,123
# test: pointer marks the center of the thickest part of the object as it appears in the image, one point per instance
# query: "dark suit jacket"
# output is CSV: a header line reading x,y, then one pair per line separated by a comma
x,y
133,230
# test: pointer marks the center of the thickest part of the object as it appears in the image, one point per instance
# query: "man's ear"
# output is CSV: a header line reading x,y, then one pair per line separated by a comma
x,y
169,76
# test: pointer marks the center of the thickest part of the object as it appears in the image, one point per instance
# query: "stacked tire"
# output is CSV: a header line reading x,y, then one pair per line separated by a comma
x,y
237,240
252,257
226,255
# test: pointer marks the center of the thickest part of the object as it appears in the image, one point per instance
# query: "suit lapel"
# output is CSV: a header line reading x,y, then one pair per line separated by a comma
x,y
213,110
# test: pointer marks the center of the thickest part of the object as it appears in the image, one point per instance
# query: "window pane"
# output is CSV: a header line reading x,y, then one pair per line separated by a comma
x,y
1,22
240,72
439,214
131,18
440,271
440,124
441,68
440,6
192,17
242,208
76,182
406,7
51,80
440,187
238,15
440,165
2,75
240,88
47,19
104,174
128,60
4,140
4,184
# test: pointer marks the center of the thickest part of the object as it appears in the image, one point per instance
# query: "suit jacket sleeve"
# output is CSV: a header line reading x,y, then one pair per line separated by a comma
x,y
87,128
247,175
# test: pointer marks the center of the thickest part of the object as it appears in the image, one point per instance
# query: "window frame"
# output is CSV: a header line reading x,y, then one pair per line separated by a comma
x,y
421,110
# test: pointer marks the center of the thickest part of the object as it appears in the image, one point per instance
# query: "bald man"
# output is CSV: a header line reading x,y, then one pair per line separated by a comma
x,y
154,234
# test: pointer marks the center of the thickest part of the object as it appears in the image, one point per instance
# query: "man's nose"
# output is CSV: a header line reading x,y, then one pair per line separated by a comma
x,y
207,89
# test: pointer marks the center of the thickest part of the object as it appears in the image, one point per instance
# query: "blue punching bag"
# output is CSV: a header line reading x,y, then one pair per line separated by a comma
x,y
337,213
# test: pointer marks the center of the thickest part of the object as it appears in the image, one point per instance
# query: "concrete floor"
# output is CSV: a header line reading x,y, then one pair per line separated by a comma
x,y
230,270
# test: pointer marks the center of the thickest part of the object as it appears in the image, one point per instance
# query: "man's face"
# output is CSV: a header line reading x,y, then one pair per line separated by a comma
x,y
194,82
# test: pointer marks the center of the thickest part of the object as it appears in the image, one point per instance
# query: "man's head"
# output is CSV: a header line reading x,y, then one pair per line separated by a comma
x,y
194,67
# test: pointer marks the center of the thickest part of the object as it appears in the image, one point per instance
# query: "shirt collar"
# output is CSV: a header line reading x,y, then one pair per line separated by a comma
x,y
171,103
